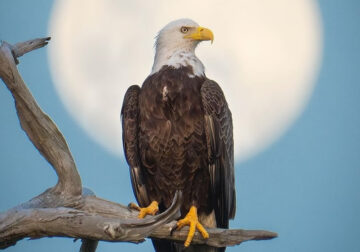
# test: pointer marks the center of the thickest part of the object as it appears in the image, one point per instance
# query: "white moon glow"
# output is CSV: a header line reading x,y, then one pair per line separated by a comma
x,y
265,57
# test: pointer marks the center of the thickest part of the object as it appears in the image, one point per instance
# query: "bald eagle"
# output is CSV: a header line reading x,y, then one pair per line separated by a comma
x,y
178,135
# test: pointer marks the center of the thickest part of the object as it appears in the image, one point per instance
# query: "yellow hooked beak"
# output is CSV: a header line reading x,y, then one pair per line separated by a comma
x,y
201,34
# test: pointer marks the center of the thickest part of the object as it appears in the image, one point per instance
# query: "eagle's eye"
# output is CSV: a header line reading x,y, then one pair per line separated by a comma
x,y
184,29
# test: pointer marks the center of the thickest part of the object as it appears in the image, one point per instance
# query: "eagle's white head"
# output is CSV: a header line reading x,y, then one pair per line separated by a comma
x,y
175,45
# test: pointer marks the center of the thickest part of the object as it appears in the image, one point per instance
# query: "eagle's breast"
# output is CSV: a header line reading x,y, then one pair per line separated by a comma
x,y
172,140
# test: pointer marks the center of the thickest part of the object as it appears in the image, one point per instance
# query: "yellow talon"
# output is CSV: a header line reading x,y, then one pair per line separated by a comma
x,y
191,219
152,209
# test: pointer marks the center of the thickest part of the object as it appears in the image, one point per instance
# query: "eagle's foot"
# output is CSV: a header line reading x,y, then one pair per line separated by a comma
x,y
191,219
152,209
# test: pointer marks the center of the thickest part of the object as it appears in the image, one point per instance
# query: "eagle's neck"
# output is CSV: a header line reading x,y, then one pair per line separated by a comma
x,y
178,58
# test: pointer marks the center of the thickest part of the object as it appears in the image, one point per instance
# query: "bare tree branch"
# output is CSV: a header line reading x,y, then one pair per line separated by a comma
x,y
67,209
101,223
21,48
41,130
218,237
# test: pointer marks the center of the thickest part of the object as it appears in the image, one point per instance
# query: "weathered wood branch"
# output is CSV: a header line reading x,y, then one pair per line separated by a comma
x,y
67,209
41,130
96,221
218,237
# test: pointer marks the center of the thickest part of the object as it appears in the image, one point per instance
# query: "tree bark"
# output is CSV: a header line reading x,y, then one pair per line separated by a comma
x,y
67,209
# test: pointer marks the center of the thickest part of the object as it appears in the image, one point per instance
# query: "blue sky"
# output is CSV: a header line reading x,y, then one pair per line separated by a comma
x,y
305,186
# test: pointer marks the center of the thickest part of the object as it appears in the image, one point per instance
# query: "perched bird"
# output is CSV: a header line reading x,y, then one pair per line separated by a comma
x,y
178,135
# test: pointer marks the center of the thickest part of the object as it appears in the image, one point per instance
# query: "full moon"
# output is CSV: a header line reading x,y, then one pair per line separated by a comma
x,y
265,56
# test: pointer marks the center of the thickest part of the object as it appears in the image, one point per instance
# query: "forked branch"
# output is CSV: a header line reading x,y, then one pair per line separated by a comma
x,y
66,209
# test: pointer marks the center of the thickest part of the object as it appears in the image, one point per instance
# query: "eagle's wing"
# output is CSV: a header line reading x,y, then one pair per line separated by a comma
x,y
219,135
129,118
